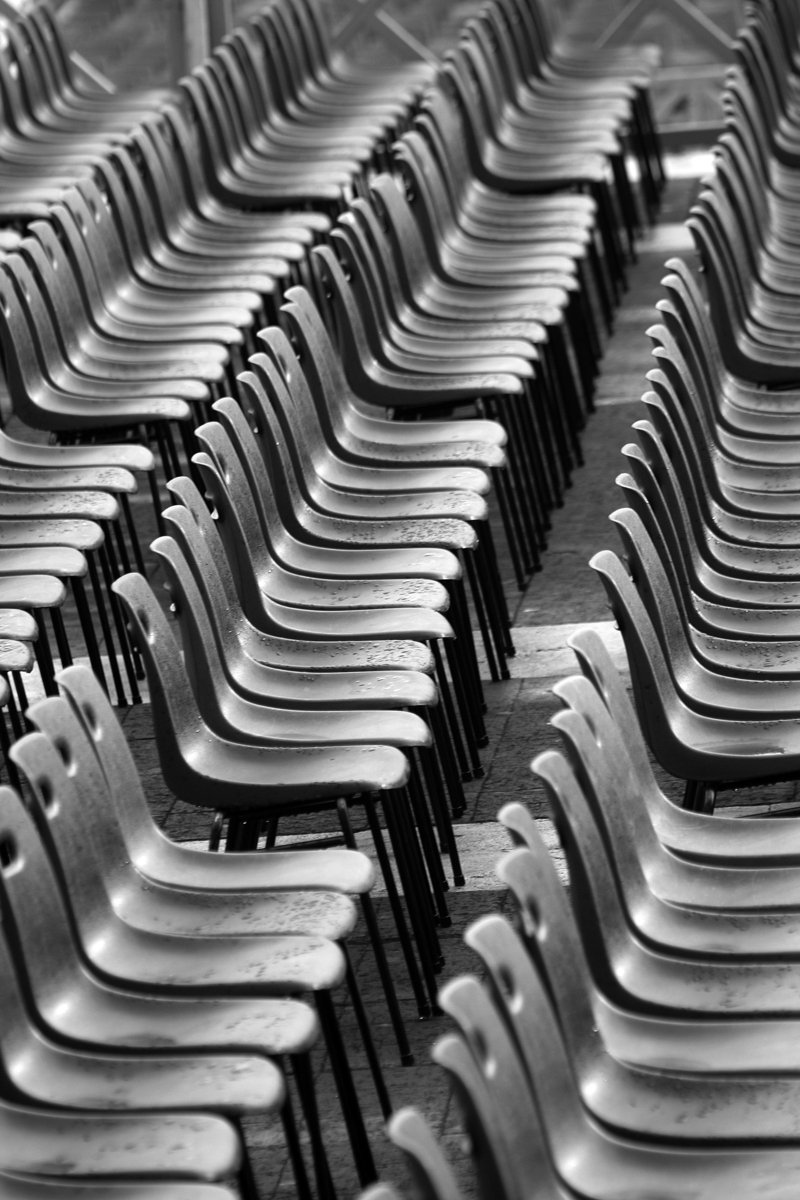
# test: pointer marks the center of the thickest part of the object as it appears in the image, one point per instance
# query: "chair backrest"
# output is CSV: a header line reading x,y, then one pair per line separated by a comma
x,y
95,224
596,663
671,728
685,313
430,1170
726,291
32,908
181,733
270,457
251,489
548,931
31,295
313,348
287,74
76,817
360,230
123,783
32,80
244,55
275,409
532,1012
202,655
237,523
441,122
534,1111
656,480
43,28
687,443
652,568
197,531
59,290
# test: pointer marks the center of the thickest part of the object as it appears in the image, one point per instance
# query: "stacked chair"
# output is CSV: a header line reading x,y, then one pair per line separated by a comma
x,y
337,318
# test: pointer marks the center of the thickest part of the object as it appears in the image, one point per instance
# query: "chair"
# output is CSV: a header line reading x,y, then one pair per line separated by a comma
x,y
46,1076
316,596
583,1155
185,890
238,719
272,452
689,743
689,1109
114,1017
212,772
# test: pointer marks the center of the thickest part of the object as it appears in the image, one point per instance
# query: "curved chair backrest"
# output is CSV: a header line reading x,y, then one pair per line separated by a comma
x,y
32,907
548,931
202,654
318,357
243,54
239,528
675,733
285,413
534,1112
197,531
251,490
427,1162
686,444
75,814
652,568
725,289
277,378
531,1010
655,478
69,228
30,294
441,122
598,666
272,463
360,230
66,301
176,717
394,214
492,1138
685,313
101,724
187,554
680,478
690,383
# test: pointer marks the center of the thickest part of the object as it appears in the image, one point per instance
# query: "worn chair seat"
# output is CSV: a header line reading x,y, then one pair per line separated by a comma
x,y
133,1147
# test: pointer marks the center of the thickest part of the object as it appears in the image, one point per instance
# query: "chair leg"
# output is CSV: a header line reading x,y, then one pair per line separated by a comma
x,y
87,626
366,1037
414,879
378,950
105,628
448,765
245,1177
122,634
457,739
44,657
432,870
304,1080
406,944
441,813
348,1096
